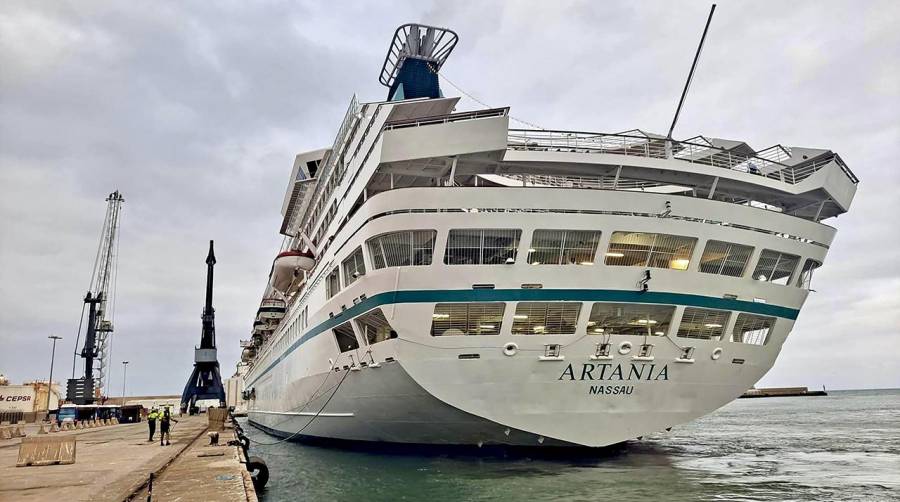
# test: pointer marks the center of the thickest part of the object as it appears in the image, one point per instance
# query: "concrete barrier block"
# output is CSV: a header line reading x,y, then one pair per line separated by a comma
x,y
19,432
216,418
46,451
115,421
5,432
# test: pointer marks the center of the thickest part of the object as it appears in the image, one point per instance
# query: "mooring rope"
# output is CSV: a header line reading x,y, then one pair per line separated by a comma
x,y
288,438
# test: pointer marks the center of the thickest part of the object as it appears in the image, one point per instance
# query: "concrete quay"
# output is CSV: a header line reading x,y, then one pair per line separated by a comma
x,y
114,463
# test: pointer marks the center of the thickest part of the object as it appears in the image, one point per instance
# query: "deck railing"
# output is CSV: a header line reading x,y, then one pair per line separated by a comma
x,y
443,119
658,147
595,182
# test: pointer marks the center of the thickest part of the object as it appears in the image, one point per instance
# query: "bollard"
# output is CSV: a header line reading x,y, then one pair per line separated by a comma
x,y
54,427
115,421
43,429
79,425
5,432
46,450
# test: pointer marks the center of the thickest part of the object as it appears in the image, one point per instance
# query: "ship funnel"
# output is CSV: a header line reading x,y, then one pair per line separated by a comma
x,y
414,59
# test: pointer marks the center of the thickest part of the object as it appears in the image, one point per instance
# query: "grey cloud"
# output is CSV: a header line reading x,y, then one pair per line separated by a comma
x,y
195,111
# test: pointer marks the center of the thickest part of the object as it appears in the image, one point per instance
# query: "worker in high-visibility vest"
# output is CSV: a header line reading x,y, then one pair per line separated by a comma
x,y
152,417
165,423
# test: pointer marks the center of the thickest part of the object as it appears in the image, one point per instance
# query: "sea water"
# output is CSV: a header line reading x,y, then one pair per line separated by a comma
x,y
845,446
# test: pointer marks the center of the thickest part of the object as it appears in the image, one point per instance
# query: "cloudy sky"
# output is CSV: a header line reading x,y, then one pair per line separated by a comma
x,y
194,110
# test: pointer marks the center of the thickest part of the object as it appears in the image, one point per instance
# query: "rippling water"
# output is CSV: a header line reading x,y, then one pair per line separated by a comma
x,y
842,447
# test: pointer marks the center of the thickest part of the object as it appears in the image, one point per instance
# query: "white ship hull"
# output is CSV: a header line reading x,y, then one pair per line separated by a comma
x,y
427,394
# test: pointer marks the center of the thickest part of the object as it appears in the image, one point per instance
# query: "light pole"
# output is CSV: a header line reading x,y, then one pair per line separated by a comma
x,y
124,373
50,380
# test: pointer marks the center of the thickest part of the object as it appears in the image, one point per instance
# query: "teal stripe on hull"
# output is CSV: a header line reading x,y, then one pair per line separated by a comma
x,y
531,295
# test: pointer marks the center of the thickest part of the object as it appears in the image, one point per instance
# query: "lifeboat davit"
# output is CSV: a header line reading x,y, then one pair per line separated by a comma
x,y
271,309
288,265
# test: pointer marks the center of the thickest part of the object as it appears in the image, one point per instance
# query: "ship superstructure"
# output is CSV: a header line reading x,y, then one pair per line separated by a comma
x,y
447,279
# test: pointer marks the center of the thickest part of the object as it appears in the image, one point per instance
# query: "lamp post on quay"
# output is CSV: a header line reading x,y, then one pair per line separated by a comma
x,y
50,380
124,374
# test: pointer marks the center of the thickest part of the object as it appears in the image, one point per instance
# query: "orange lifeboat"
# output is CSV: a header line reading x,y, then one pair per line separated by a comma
x,y
288,265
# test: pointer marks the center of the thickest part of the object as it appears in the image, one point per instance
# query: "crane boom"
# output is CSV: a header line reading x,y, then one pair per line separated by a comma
x,y
101,300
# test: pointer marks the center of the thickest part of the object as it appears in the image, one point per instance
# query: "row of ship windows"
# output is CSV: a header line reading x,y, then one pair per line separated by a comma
x,y
569,247
561,318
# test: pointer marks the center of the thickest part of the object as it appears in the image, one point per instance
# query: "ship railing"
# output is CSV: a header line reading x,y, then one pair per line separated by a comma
x,y
650,146
400,124
444,119
590,182
331,159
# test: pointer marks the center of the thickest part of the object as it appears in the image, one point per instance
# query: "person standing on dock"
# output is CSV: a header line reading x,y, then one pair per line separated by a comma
x,y
164,426
152,417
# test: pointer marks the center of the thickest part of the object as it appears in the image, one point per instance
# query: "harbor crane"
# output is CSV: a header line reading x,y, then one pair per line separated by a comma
x,y
100,304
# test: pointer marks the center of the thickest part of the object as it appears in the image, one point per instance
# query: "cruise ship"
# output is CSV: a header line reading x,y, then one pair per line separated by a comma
x,y
447,279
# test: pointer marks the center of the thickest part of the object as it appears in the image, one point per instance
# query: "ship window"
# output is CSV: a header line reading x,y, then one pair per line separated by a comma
x,y
752,329
640,249
706,324
725,258
400,249
630,319
346,339
354,267
775,266
806,274
332,283
563,247
467,319
375,327
546,318
482,246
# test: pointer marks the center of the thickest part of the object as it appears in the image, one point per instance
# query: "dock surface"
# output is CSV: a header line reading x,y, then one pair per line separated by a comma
x,y
114,463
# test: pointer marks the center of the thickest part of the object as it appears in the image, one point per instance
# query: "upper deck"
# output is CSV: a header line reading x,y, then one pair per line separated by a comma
x,y
390,145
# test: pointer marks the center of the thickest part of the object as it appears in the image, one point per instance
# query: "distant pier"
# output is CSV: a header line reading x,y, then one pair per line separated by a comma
x,y
783,392
115,463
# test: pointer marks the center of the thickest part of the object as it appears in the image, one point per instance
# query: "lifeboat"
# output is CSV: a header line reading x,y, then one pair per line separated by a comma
x,y
271,309
262,328
287,266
